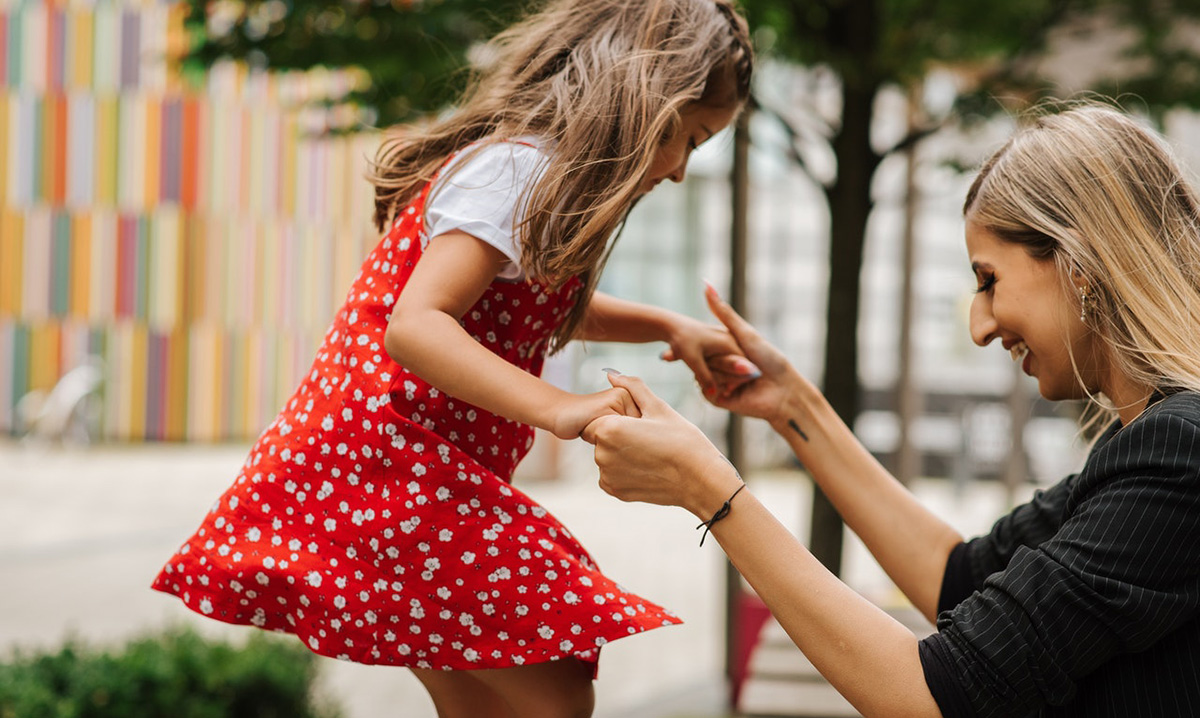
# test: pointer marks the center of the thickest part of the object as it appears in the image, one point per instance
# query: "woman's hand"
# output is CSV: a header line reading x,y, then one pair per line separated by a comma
x,y
576,411
660,458
766,396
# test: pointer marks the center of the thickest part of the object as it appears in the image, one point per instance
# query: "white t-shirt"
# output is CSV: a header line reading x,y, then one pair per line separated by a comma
x,y
478,194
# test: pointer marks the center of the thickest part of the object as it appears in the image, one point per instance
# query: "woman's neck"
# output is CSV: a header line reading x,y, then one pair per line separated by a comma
x,y
1128,397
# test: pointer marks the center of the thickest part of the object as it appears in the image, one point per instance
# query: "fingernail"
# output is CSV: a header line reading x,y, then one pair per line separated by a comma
x,y
746,367
663,355
607,370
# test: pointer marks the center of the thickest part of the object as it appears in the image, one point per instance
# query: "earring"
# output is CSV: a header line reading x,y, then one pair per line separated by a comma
x,y
1083,300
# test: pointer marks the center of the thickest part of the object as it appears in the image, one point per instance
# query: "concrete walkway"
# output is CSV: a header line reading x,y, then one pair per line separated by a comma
x,y
83,532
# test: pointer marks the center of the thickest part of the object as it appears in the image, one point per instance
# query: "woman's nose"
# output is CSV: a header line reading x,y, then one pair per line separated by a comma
x,y
982,322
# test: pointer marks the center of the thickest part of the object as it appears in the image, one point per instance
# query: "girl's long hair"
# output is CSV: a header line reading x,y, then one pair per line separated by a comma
x,y
603,82
1102,196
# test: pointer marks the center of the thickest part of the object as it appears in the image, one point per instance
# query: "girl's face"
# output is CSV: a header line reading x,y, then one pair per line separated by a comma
x,y
1023,302
698,123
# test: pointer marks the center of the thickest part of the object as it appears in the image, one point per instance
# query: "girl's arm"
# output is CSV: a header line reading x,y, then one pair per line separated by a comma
x,y
697,344
868,656
424,336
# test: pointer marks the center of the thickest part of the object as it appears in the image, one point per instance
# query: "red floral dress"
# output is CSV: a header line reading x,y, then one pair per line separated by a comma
x,y
375,520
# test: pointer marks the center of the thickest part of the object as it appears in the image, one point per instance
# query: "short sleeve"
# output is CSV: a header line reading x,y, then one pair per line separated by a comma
x,y
478,193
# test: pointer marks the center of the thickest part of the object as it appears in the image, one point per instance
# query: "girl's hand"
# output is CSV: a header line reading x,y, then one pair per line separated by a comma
x,y
577,411
660,458
712,354
764,396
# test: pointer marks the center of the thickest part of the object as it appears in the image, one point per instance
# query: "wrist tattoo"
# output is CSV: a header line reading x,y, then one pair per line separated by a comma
x,y
796,428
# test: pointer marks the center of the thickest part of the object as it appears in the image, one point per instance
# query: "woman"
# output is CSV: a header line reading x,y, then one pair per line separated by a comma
x,y
1084,239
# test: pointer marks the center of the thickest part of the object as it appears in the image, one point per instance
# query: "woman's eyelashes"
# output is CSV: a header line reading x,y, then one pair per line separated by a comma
x,y
986,282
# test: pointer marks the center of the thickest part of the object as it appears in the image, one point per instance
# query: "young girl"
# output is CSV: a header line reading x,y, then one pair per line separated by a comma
x,y
1083,234
374,519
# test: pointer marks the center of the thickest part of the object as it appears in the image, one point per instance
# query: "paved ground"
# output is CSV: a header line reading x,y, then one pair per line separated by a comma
x,y
83,531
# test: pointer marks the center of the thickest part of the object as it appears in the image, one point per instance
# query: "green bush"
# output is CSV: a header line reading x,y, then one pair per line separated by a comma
x,y
178,674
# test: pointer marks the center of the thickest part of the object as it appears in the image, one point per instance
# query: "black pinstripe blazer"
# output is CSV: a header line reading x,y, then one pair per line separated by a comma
x,y
1086,600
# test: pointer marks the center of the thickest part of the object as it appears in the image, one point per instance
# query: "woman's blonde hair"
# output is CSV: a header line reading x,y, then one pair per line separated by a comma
x,y
1092,189
604,82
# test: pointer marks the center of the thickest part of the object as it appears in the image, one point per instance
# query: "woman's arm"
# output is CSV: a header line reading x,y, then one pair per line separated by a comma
x,y
868,656
697,344
909,541
424,336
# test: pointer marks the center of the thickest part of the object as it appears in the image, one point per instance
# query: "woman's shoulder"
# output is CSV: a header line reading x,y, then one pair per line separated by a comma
x,y
1169,428
1173,406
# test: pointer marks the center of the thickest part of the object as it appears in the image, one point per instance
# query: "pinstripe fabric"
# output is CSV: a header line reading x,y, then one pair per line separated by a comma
x,y
1085,601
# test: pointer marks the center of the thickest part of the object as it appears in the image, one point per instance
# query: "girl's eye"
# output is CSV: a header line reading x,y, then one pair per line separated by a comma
x,y
986,283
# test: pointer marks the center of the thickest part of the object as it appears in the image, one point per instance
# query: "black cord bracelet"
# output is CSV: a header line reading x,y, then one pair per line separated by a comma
x,y
721,513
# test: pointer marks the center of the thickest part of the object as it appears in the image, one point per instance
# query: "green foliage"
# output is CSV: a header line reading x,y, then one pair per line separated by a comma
x,y
998,46
176,675
413,51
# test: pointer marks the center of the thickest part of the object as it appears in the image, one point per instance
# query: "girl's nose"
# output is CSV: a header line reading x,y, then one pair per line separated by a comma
x,y
680,170
982,322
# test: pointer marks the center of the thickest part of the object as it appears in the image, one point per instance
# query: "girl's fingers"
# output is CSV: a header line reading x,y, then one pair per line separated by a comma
x,y
629,407
735,366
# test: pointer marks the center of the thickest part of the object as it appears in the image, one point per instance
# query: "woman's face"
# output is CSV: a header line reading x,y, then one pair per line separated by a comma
x,y
1024,302
698,122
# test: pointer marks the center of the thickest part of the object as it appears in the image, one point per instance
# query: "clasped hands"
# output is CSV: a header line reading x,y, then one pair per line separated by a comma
x,y
647,452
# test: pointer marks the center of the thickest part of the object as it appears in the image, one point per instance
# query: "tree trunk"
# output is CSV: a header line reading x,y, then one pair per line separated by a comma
x,y
908,392
849,206
734,441
853,28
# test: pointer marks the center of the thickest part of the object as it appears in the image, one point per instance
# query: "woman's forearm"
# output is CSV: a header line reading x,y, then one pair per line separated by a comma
x,y
662,458
909,542
868,656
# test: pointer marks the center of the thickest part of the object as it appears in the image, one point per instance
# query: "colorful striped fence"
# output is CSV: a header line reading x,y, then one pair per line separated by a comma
x,y
195,235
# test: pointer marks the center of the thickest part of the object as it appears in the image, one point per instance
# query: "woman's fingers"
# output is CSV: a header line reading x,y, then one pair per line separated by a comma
x,y
737,326
646,400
